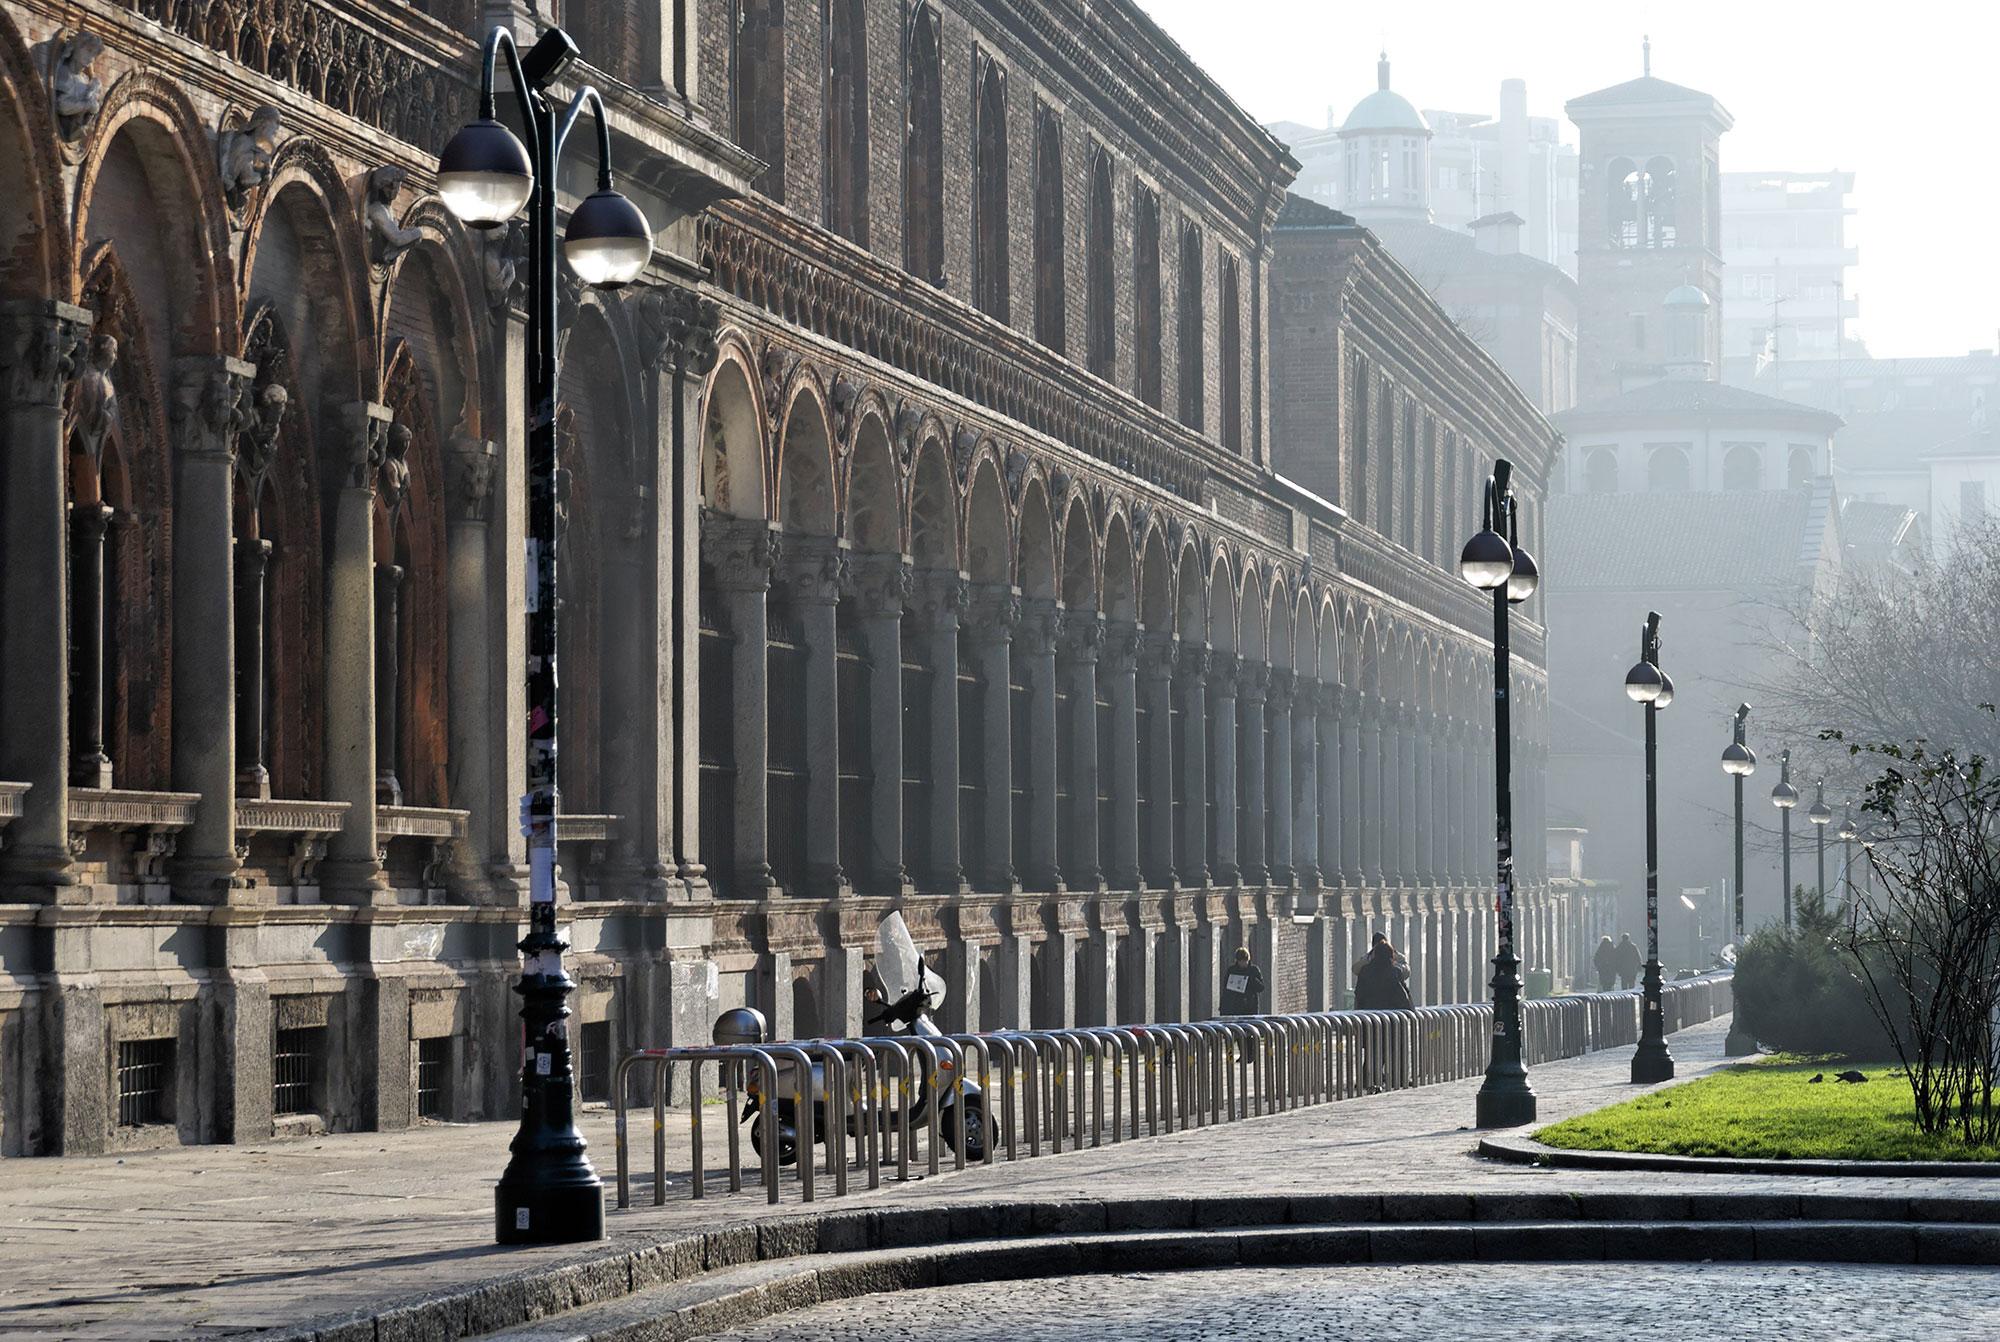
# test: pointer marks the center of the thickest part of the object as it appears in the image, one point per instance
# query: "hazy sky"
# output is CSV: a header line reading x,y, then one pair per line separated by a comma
x,y
1900,95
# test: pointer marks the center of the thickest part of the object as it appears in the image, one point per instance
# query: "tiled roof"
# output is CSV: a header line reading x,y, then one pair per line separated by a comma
x,y
1889,440
1433,253
1645,89
1744,541
1298,212
1689,396
1868,525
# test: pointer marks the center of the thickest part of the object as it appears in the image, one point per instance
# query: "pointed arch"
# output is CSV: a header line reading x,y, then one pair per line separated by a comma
x,y
1035,559
923,148
1101,288
732,454
1120,590
933,511
988,548
1079,558
34,240
1222,615
989,192
1250,631
874,500
805,464
410,555
1156,586
1051,244
1278,621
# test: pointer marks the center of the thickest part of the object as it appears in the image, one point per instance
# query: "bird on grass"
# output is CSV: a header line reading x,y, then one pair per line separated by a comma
x,y
1815,1078
1851,1076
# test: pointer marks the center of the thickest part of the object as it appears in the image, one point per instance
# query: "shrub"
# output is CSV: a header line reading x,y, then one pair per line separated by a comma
x,y
1798,992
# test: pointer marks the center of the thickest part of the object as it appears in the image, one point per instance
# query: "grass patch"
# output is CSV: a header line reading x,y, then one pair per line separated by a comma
x,y
1769,1111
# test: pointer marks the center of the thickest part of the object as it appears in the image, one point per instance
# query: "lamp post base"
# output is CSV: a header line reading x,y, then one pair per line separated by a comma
x,y
1504,1102
1505,1099
1652,1063
548,1212
1741,1043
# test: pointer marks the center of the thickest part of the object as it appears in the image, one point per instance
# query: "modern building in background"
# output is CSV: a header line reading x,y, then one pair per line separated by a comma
x,y
1788,293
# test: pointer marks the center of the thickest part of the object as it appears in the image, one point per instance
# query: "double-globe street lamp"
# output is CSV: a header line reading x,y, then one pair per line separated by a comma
x,y
1784,796
1496,562
1848,834
1821,816
1739,762
549,1193
1650,687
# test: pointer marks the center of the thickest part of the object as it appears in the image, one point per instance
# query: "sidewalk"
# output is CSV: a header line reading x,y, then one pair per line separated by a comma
x,y
213,1241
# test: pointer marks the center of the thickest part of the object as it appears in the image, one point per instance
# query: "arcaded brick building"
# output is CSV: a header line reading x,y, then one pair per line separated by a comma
x,y
925,546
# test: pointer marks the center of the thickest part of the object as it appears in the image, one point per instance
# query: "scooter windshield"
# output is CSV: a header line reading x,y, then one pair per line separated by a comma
x,y
896,959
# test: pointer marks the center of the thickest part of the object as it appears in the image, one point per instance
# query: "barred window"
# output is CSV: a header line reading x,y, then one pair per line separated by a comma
x,y
145,1082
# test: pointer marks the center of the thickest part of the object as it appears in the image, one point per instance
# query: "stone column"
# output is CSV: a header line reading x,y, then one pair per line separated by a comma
x,y
1156,689
882,588
1371,789
90,767
995,613
352,871
477,781
1193,685
1353,796
742,552
1278,742
814,572
941,598
1305,791
1119,667
1408,788
1424,830
1447,822
1330,796
1222,689
388,603
1253,684
1041,627
253,558
1082,643
211,405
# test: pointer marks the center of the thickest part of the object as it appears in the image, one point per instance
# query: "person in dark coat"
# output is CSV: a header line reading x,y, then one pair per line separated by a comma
x,y
1242,985
1628,961
1606,963
1383,981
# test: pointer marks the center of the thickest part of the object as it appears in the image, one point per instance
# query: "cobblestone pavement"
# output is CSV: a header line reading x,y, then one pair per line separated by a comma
x,y
208,1240
1538,1302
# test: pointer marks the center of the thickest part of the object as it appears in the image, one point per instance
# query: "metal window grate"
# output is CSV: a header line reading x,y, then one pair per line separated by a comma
x,y
594,1067
145,1082
295,1070
433,1077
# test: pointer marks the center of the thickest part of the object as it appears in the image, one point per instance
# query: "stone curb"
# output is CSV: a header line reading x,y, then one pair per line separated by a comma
x,y
694,1309
1527,1151
598,1276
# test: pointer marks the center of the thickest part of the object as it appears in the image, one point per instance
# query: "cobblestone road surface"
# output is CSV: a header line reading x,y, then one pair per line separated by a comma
x,y
1538,1302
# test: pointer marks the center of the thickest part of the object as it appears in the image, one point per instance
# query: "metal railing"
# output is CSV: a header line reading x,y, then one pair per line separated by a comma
x,y
1046,1091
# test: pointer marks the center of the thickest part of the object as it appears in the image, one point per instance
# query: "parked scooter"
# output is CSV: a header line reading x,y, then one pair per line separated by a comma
x,y
905,992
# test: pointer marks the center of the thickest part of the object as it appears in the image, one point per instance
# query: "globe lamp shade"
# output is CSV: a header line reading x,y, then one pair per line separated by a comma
x,y
1487,560
1739,760
1666,694
1521,583
1820,814
1784,796
1643,683
1848,833
484,175
609,241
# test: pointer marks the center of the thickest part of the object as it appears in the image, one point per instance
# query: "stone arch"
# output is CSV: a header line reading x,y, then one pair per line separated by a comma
x,y
301,273
34,240
1250,617
874,498
306,195
1035,556
988,545
933,526
410,536
1120,588
1222,614
1278,621
732,456
1156,602
1191,592
1079,558
1328,620
805,500
1305,638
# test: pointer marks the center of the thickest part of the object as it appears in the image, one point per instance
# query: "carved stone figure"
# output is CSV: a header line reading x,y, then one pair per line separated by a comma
x,y
505,260
394,473
260,437
387,240
97,396
77,94
244,156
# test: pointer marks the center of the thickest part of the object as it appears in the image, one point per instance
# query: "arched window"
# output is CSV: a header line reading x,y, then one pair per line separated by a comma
x,y
1667,470
1800,468
846,154
1146,293
1624,202
1385,459
1231,354
989,200
1101,300
1051,316
1600,471
923,154
1193,367
1743,467
1661,203
757,87
1406,525
1358,434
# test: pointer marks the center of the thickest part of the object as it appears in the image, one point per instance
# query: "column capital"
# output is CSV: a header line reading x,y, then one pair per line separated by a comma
x,y
1121,645
1196,659
213,402
1253,680
676,327
1083,635
1282,683
814,570
942,596
743,551
365,431
882,583
1156,655
41,349
1043,620
1222,669
993,611
1336,701
470,464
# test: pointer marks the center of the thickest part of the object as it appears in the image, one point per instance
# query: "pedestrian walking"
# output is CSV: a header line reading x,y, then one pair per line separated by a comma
x,y
1382,983
1242,985
1628,961
1606,963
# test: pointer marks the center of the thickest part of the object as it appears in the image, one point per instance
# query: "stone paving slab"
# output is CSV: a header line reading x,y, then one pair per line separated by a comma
x,y
210,1241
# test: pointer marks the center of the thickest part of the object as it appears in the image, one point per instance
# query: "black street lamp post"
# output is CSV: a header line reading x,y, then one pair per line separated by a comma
x,y
1739,762
1653,689
1821,816
549,1193
1784,796
1498,564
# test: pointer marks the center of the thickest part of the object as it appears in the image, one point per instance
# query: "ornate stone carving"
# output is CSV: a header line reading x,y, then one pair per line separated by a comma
x,y
844,395
258,443
96,404
387,239
1222,674
1121,647
1083,636
816,571
742,551
882,585
150,851
504,266
75,94
1017,472
1196,659
41,348
365,434
303,863
1157,655
212,405
777,371
964,442
469,466
1252,681
941,595
639,514
393,473
1279,695
243,154
993,611
909,419
1041,626
676,325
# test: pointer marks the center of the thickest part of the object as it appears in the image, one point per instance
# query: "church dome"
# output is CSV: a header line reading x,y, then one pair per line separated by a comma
x,y
1385,109
1687,296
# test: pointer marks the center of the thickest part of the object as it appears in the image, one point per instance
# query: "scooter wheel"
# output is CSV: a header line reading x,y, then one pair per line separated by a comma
x,y
973,1134
788,1143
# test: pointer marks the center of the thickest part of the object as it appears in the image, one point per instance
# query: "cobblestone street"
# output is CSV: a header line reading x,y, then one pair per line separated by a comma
x,y
1427,1303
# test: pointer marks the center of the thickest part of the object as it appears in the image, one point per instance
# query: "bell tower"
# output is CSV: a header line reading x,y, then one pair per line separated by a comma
x,y
1650,222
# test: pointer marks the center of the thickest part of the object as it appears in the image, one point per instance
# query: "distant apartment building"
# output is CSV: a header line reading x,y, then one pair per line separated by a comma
x,y
1787,295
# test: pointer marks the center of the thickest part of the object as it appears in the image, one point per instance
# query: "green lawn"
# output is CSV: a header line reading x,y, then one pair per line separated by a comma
x,y
1769,1110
